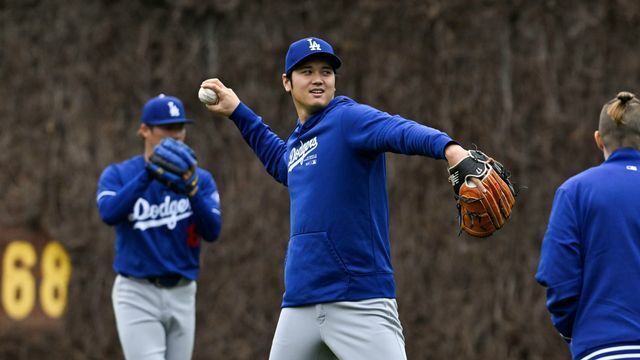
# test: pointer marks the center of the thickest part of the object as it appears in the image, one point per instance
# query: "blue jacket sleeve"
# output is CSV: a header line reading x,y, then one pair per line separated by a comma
x,y
269,148
115,198
560,267
206,208
372,130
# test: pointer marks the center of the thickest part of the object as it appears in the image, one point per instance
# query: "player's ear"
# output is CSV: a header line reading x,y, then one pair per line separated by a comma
x,y
144,131
598,139
286,83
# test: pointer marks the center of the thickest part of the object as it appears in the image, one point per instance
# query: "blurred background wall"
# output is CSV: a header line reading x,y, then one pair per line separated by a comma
x,y
522,80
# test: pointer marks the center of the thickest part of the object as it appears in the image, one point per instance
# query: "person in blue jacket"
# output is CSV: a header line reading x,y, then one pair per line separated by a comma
x,y
339,299
158,234
590,257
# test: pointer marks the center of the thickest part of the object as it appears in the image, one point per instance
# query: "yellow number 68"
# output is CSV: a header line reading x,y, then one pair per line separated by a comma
x,y
19,284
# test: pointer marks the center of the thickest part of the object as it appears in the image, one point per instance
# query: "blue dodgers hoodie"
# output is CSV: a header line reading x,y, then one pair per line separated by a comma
x,y
334,167
590,257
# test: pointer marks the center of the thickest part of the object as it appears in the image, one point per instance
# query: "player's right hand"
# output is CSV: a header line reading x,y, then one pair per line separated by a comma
x,y
228,101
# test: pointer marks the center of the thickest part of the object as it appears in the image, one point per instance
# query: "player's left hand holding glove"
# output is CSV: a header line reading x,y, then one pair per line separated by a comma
x,y
484,194
174,164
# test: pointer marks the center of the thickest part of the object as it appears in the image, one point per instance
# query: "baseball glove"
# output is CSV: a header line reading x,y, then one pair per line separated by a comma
x,y
173,163
481,213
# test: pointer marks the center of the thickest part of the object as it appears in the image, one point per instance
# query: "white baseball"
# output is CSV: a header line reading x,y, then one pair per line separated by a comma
x,y
207,96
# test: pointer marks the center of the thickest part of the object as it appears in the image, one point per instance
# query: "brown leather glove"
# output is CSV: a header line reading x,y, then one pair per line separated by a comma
x,y
483,193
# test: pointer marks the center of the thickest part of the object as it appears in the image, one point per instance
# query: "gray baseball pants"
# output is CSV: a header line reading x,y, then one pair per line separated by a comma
x,y
154,323
349,330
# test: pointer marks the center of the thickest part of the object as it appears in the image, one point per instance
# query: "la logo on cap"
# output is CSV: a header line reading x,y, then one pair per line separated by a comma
x,y
313,45
173,109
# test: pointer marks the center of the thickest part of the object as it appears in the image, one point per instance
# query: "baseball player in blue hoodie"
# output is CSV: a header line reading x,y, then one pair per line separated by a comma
x,y
339,299
159,219
590,258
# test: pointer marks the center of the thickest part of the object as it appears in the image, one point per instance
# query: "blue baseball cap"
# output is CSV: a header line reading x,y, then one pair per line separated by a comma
x,y
164,109
304,48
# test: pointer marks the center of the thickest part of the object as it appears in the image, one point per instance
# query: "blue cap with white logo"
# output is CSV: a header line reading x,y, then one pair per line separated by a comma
x,y
304,48
162,110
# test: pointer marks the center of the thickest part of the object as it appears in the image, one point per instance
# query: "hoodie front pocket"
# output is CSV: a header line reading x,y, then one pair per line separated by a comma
x,y
313,269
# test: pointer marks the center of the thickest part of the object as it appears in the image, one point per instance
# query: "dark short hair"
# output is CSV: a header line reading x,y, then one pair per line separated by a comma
x,y
619,124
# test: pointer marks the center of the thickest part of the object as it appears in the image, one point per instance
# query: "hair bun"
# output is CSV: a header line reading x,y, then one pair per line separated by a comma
x,y
625,96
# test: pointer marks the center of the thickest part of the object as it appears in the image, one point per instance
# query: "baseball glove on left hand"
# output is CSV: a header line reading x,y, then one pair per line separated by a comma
x,y
482,212
174,164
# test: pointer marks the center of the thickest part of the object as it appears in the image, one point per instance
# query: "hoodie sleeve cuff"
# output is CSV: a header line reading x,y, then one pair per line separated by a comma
x,y
242,113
